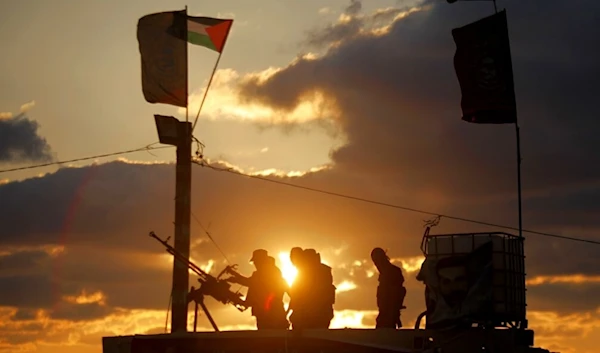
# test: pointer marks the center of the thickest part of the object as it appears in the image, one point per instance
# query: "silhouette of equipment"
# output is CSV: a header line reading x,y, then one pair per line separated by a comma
x,y
215,287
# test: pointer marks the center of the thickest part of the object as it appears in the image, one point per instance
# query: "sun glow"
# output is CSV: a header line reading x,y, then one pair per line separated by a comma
x,y
346,286
288,270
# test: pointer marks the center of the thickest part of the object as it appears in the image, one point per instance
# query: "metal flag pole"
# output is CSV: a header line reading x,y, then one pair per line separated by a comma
x,y
183,188
523,284
187,84
206,90
519,159
209,82
518,137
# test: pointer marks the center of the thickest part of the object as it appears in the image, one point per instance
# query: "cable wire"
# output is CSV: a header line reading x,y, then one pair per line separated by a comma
x,y
215,244
168,310
145,148
210,237
202,163
385,204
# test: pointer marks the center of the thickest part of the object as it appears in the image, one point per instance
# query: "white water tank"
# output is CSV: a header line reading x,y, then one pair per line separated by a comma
x,y
508,268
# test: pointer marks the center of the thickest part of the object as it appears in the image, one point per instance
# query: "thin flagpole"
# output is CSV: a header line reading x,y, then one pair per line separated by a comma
x,y
206,90
519,178
522,324
518,137
210,80
187,81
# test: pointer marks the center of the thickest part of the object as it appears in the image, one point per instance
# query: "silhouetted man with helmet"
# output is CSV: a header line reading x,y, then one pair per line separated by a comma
x,y
266,287
322,291
390,291
313,292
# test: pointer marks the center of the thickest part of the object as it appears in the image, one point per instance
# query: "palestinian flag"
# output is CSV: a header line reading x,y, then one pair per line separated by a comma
x,y
208,32
163,39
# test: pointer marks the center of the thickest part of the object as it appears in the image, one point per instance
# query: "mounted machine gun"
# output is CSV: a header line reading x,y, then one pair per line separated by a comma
x,y
212,286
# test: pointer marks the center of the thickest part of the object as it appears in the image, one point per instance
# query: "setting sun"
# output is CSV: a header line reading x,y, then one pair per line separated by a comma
x,y
288,270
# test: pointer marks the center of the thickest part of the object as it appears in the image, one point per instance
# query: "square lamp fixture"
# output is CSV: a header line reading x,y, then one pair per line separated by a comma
x,y
168,129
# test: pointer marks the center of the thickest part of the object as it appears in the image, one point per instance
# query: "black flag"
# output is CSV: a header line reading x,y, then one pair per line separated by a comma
x,y
484,70
164,58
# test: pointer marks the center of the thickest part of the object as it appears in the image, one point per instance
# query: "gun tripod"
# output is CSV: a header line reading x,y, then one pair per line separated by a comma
x,y
197,296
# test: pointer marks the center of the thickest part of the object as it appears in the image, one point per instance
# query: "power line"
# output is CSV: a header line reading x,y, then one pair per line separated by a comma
x,y
205,230
215,244
146,148
385,204
374,202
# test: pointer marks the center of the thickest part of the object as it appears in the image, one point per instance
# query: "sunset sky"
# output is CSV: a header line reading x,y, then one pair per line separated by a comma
x,y
349,97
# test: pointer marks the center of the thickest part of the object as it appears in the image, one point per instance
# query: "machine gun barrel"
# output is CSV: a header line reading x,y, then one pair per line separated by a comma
x,y
182,259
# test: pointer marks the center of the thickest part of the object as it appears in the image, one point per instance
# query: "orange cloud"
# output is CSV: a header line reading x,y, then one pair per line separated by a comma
x,y
566,333
577,279
409,264
224,165
42,334
225,102
85,298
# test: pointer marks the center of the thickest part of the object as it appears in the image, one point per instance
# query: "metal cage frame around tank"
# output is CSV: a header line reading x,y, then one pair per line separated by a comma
x,y
512,279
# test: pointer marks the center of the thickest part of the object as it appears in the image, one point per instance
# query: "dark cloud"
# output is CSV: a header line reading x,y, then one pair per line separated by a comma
x,y
23,262
20,142
76,196
27,291
80,312
578,207
353,8
564,298
549,257
351,25
399,100
24,314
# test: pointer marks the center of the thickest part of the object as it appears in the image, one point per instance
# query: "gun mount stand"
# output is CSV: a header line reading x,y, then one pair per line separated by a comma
x,y
197,297
212,286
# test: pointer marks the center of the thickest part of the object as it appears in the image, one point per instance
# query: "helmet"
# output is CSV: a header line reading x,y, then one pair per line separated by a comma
x,y
295,254
258,255
378,254
311,255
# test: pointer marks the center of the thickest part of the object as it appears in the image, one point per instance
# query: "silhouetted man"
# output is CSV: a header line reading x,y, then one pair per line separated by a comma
x,y
300,290
313,292
390,291
266,287
322,290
